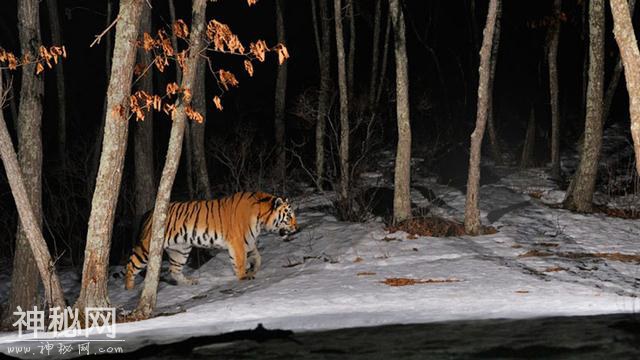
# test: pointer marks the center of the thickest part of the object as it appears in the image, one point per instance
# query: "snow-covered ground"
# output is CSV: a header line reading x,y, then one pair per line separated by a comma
x,y
542,262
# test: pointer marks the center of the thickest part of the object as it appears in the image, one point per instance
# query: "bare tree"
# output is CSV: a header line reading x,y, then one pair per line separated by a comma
x,y
344,105
323,46
56,37
197,130
493,136
471,212
93,292
383,66
615,77
145,184
24,277
280,98
626,40
580,193
402,176
552,60
147,301
30,221
529,141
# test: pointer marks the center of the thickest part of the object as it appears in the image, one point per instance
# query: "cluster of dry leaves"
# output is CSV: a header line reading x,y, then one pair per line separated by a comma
x,y
45,56
220,39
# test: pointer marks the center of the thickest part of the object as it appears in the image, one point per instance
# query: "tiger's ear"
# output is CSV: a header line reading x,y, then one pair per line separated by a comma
x,y
277,202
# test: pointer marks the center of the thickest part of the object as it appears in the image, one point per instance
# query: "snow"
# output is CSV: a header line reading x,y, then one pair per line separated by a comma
x,y
331,274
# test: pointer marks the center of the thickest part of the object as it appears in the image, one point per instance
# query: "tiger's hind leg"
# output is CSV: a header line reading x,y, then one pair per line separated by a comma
x,y
178,255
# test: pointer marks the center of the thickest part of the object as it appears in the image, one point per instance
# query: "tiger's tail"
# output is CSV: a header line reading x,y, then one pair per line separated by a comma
x,y
140,254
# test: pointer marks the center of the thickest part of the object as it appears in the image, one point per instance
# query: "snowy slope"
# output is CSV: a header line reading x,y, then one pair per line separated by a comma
x,y
331,274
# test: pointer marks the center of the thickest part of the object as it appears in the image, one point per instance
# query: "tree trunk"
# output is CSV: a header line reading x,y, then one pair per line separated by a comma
x,y
626,40
280,99
615,77
93,292
344,105
493,137
147,300
402,176
471,212
29,219
375,54
324,61
580,193
552,60
143,136
24,276
56,37
198,143
529,141
351,58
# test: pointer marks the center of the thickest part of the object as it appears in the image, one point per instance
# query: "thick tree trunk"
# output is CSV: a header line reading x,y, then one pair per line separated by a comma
x,y
24,277
626,40
147,300
580,193
493,137
344,105
375,56
324,61
615,77
471,211
93,292
280,99
143,136
30,221
198,143
529,141
402,176
56,37
552,60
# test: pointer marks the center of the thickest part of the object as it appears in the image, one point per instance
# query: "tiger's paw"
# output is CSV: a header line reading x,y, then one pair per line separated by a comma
x,y
182,279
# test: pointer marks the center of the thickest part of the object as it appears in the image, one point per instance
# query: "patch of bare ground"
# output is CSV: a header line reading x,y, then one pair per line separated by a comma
x,y
616,256
434,226
409,281
617,213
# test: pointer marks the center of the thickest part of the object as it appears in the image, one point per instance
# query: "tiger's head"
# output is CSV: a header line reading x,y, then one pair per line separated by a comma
x,y
281,218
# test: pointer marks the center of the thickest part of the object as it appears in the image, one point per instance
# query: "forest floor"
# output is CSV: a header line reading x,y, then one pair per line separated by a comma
x,y
542,262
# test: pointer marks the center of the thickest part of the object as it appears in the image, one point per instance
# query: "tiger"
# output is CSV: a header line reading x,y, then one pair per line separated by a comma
x,y
233,223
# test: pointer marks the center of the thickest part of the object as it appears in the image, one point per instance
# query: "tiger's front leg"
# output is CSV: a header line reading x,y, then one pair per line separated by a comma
x,y
254,260
238,256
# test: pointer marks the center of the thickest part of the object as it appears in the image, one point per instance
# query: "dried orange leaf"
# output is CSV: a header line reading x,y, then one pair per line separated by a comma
x,y
249,67
218,102
39,68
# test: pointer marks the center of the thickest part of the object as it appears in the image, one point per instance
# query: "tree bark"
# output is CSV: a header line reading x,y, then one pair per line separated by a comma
x,y
402,175
375,56
280,99
93,292
626,40
143,136
552,60
198,143
580,193
344,105
615,77
324,61
24,276
53,294
493,137
471,212
147,301
56,37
